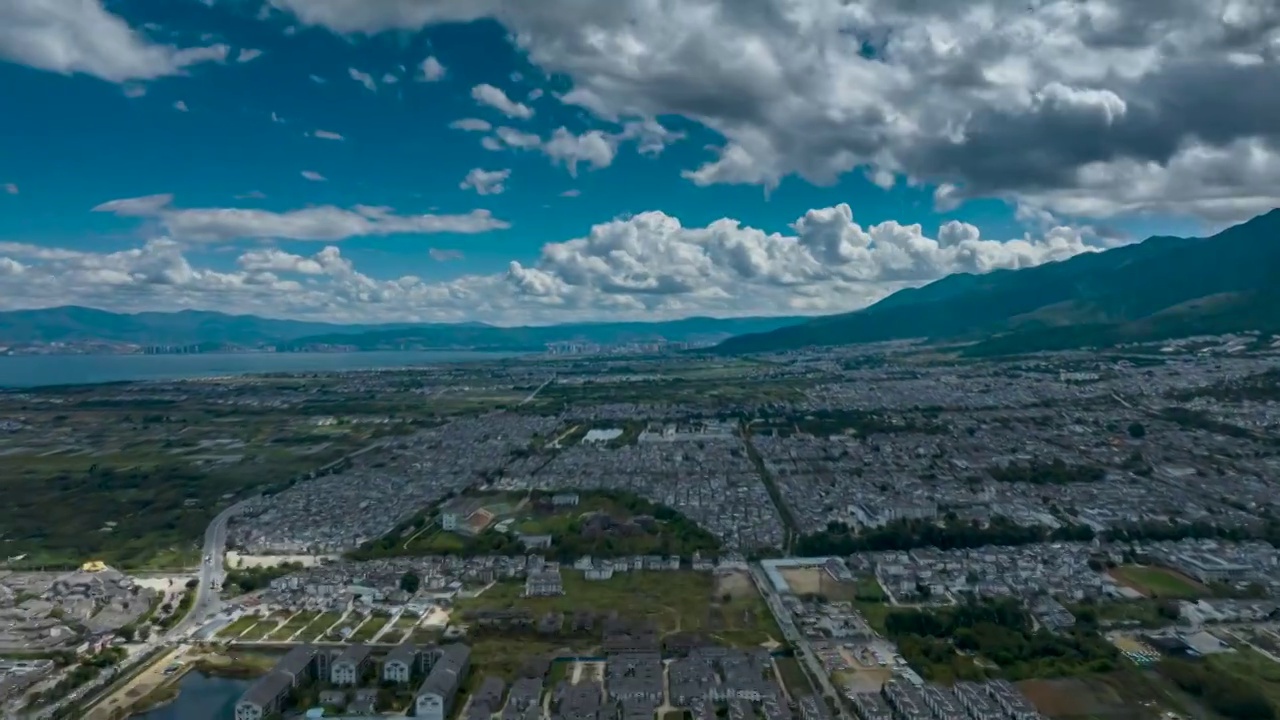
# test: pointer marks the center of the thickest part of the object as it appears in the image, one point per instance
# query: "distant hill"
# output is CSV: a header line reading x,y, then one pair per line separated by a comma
x,y
1161,288
692,330
73,324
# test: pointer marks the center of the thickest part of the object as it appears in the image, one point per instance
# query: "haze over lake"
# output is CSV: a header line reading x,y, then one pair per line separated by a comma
x,y
18,371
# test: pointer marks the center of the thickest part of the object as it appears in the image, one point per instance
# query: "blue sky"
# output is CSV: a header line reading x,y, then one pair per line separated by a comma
x,y
624,172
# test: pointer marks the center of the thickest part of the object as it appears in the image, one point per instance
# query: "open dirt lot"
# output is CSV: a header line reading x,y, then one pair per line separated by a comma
x,y
736,585
803,581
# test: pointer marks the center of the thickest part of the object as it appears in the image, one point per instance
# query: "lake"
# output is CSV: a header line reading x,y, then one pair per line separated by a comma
x,y
19,371
200,697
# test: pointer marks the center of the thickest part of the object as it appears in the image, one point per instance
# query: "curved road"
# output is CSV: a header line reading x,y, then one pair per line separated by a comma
x,y
207,602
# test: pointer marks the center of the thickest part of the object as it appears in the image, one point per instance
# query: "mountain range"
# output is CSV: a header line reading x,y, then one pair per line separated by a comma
x,y
1160,288
213,330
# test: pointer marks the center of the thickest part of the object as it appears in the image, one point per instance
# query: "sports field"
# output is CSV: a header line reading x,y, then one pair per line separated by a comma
x,y
1158,582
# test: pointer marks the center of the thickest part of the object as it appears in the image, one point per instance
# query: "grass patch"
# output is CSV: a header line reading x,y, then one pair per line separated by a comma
x,y
295,624
237,628
1253,667
370,627
793,677
674,601
1157,582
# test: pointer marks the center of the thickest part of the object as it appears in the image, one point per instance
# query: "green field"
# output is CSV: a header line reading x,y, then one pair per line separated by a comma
x,y
1157,582
400,629
295,624
235,629
793,677
370,627
1253,667
264,629
674,601
315,631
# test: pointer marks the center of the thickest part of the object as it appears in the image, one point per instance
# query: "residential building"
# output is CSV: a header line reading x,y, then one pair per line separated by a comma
x,y
436,695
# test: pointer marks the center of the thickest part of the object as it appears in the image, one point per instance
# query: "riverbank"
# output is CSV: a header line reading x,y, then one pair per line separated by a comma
x,y
153,690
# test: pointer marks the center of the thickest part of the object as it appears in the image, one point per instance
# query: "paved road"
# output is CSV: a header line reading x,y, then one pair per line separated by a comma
x,y
207,603
797,640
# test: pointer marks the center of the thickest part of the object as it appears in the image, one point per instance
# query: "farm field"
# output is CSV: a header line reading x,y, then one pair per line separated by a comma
x,y
1156,582
1124,695
675,601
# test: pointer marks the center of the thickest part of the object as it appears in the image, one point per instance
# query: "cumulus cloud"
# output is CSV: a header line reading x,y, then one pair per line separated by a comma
x,y
642,267
430,70
326,135
180,106
485,182
471,125
363,78
1038,101
594,147
10,188
497,99
248,55
313,176
84,37
320,223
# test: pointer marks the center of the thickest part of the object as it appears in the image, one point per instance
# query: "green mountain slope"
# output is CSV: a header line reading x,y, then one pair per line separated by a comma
x,y
1162,287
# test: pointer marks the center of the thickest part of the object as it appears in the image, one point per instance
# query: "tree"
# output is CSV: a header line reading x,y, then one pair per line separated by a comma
x,y
1137,431
409,582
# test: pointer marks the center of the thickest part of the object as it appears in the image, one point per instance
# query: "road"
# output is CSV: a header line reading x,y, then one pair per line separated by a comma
x,y
537,390
804,652
207,603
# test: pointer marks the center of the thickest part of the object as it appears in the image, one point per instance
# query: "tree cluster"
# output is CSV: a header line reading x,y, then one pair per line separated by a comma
x,y
1000,632
1054,472
1228,696
838,539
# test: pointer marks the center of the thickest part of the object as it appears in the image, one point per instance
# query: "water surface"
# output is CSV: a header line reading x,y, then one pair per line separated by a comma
x,y
37,370
201,697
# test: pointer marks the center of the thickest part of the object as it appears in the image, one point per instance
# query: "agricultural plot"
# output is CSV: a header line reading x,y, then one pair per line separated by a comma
x,y
1157,582
675,601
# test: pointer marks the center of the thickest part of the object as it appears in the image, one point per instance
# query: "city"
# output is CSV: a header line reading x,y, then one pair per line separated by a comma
x,y
652,540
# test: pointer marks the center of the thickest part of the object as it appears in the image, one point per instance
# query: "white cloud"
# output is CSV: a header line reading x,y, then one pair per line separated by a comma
x,y
133,90
495,98
82,36
571,193
324,222
313,176
471,125
10,188
485,182
276,118
248,55
649,266
595,148
430,70
317,79
326,135
180,106
443,255
1027,101
364,79
389,79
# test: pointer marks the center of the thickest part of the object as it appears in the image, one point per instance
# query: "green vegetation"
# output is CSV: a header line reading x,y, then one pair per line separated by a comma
x,y
370,627
237,628
133,479
82,673
838,539
1142,613
1244,688
294,625
674,601
605,523
1054,472
1168,287
944,644
859,423
1157,582
255,578
793,677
